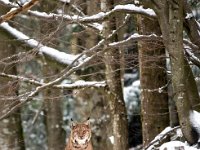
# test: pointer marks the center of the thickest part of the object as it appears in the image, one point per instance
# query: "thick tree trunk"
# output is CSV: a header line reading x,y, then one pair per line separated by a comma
x,y
53,111
154,103
11,133
113,78
54,120
172,31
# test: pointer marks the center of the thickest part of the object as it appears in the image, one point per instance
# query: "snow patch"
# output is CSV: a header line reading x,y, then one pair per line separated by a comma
x,y
112,139
174,145
65,1
195,121
189,16
137,2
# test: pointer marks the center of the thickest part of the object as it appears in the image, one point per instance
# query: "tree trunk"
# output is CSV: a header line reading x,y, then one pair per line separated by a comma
x,y
11,132
113,78
154,103
52,97
53,119
172,31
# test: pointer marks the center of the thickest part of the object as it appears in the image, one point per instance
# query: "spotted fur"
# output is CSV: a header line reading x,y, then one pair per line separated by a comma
x,y
80,137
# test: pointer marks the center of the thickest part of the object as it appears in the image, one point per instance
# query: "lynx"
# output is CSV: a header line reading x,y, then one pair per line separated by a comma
x,y
80,137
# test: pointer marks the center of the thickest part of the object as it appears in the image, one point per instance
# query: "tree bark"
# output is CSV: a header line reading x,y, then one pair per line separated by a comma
x,y
53,119
113,78
11,132
154,103
170,16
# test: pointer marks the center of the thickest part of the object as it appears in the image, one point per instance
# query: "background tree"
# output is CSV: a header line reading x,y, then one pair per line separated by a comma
x,y
153,76
113,77
52,98
172,31
11,132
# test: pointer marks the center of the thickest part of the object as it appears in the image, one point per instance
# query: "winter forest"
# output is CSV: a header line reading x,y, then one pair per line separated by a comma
x,y
132,67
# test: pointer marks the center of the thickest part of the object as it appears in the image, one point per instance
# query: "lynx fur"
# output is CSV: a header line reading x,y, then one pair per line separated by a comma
x,y
80,137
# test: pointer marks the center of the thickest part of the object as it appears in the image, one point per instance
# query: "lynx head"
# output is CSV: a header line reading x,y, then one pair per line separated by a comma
x,y
81,133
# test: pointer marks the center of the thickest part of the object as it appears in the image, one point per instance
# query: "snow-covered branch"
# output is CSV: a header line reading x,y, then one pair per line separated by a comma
x,y
102,16
159,90
68,71
7,3
67,59
82,84
135,37
191,56
60,57
76,85
14,11
168,131
189,47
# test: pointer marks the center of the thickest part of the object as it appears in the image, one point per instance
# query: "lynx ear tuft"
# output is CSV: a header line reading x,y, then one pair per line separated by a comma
x,y
73,124
87,122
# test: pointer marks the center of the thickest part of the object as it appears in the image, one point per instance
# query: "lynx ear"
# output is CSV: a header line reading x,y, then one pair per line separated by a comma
x,y
87,122
73,124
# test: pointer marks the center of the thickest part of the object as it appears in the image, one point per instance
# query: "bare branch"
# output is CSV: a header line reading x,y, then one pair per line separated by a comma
x,y
37,114
68,71
76,85
14,11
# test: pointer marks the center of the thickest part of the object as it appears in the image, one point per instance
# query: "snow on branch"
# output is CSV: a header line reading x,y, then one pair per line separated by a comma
x,y
7,3
14,11
190,55
102,16
135,37
168,131
60,57
82,84
131,8
68,71
189,47
159,90
76,85
102,42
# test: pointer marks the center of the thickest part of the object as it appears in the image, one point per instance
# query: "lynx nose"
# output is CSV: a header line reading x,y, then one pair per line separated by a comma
x,y
81,136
